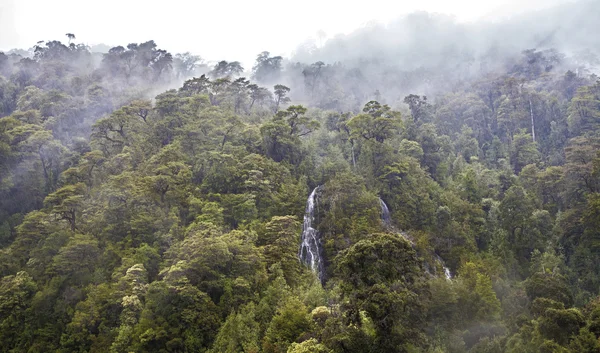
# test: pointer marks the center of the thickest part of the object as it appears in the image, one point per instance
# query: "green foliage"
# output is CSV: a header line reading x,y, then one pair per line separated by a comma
x,y
308,346
552,286
287,326
16,293
280,244
132,223
239,333
382,276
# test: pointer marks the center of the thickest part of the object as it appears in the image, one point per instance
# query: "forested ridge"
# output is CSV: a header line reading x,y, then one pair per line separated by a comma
x,y
152,202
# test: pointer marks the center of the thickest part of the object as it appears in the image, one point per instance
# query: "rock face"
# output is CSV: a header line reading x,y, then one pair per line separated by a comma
x,y
387,223
311,250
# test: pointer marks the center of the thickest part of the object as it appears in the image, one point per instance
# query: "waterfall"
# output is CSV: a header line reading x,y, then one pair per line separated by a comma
x,y
447,273
311,252
385,214
446,270
386,219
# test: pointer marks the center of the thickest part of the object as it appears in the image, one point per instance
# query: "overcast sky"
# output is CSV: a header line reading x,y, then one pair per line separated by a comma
x,y
231,30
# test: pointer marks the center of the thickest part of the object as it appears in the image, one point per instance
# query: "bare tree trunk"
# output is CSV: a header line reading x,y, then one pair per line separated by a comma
x,y
353,157
532,122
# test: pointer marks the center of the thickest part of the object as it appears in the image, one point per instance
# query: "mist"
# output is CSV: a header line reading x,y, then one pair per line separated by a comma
x,y
326,177
428,53
420,53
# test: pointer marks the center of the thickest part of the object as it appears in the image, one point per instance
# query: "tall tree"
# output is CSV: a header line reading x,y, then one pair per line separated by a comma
x,y
281,92
267,69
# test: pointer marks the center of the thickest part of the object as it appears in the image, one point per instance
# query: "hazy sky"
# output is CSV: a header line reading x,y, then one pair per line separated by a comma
x,y
231,30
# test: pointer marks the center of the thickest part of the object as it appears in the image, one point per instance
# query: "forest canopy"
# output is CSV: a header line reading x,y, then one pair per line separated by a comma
x,y
154,202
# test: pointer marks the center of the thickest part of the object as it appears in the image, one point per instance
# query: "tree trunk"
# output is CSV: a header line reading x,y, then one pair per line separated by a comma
x,y
532,122
353,157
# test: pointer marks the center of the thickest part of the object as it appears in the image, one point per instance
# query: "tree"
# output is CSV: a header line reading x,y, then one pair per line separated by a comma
x,y
584,111
524,151
560,325
48,152
267,69
161,62
225,69
281,92
299,124
258,94
382,276
288,324
77,260
71,36
550,286
196,85
419,108
123,128
65,202
312,75
174,304
467,144
185,64
239,333
579,168
379,123
476,302
515,210
142,62
489,303
280,241
239,89
16,293
587,245
282,134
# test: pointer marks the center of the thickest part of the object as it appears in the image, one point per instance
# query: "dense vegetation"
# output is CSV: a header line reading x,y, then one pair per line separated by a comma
x,y
134,219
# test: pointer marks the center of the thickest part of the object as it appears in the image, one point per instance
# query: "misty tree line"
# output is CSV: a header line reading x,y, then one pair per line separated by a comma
x,y
149,204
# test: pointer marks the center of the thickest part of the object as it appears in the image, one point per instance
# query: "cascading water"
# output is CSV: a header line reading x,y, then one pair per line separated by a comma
x,y
446,270
386,219
447,273
387,222
311,252
385,214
